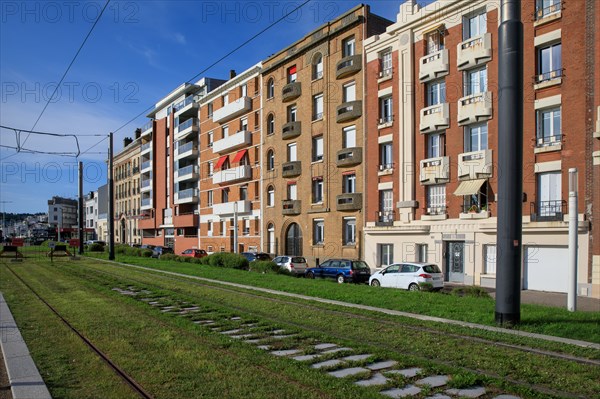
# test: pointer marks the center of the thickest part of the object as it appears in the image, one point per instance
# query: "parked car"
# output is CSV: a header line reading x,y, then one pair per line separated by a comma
x,y
252,256
158,251
90,242
343,270
194,253
147,246
293,264
408,275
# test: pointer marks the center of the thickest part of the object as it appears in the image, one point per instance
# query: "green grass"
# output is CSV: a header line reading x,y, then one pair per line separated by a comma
x,y
534,318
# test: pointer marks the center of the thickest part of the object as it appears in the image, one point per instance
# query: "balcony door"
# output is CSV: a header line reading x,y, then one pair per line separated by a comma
x,y
549,194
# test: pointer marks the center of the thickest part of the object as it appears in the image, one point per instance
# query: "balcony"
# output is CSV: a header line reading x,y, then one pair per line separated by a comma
x,y
233,109
291,169
475,108
233,142
291,130
548,211
549,141
290,207
186,196
146,185
190,219
146,203
147,128
475,165
186,106
474,212
189,172
385,218
433,66
146,167
146,148
291,91
228,208
549,78
434,213
348,111
188,149
349,156
185,128
348,65
435,118
474,51
242,172
435,171
349,202
547,14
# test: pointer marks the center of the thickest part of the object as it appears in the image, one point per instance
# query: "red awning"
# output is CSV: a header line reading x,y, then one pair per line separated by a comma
x,y
221,161
292,70
350,172
238,157
291,182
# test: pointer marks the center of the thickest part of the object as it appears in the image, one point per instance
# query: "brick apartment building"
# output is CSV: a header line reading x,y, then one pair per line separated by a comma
x,y
313,140
431,122
126,172
229,150
169,168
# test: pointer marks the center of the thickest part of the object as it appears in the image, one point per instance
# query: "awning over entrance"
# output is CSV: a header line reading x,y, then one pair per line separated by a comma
x,y
469,187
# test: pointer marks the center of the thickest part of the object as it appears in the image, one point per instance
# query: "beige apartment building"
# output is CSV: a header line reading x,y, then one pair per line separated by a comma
x,y
126,172
313,140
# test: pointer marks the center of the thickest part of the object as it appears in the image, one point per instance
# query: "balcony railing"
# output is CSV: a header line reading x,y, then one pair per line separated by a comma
x,y
291,130
290,207
146,202
550,75
435,210
549,140
433,66
434,118
185,171
241,172
474,51
189,193
475,108
233,109
291,91
146,146
235,141
182,104
349,202
434,170
348,65
147,128
541,13
146,183
192,122
548,211
349,156
475,165
229,208
146,165
385,218
290,169
348,111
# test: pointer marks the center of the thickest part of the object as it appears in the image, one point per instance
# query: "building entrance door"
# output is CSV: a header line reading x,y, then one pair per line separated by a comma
x,y
455,261
293,240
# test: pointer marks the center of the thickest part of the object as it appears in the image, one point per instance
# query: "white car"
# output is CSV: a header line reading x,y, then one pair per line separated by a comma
x,y
408,275
293,264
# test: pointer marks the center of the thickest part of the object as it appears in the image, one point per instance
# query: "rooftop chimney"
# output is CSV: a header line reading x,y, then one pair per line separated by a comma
x,y
127,141
138,133
232,73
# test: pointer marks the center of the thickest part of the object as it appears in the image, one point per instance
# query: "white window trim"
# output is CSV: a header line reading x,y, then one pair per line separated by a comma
x,y
547,38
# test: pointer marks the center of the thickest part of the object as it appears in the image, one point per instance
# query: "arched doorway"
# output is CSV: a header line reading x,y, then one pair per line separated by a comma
x,y
293,240
123,230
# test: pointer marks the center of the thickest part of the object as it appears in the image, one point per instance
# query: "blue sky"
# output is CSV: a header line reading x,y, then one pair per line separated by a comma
x,y
137,53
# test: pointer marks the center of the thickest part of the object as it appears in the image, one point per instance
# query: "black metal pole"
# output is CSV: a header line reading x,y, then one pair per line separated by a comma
x,y
510,163
111,201
81,209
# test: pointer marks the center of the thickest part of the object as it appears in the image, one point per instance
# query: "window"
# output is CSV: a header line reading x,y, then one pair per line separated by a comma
x,y
210,169
476,202
386,201
224,131
349,183
317,66
243,124
210,138
349,137
270,88
292,112
543,8
435,145
209,228
436,199
292,191
317,190
385,156
475,81
549,62
349,92
270,196
318,231
225,99
209,198
476,138
225,195
436,93
210,109
318,107
243,193
271,238
244,90
421,252
385,66
549,194
349,231
489,259
548,126
434,41
474,25
223,228
291,74
348,46
270,124
386,254
317,148
385,109
291,152
270,160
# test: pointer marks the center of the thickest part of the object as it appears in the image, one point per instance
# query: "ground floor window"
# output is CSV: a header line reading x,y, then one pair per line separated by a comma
x,y
386,254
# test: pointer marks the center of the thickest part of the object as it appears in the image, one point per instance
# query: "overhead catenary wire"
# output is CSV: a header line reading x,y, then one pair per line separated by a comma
x,y
224,57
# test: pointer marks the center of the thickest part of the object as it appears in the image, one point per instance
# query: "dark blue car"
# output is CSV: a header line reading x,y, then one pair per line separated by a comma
x,y
342,270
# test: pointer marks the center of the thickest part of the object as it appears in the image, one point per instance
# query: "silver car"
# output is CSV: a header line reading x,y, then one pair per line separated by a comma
x,y
409,276
293,264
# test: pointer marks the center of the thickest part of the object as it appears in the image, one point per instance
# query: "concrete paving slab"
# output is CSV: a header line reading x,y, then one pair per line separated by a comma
x,y
253,341
229,332
236,318
409,390
506,397
276,332
320,347
473,392
409,373
434,381
327,363
287,352
439,396
347,372
336,350
264,347
382,365
242,336
205,322
376,379
282,336
305,358
356,358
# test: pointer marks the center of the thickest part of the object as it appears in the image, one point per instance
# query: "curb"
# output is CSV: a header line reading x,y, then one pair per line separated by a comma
x,y
23,376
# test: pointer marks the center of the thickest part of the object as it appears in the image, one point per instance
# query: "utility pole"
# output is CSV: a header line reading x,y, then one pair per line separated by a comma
x,y
81,212
235,227
573,241
510,163
111,201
